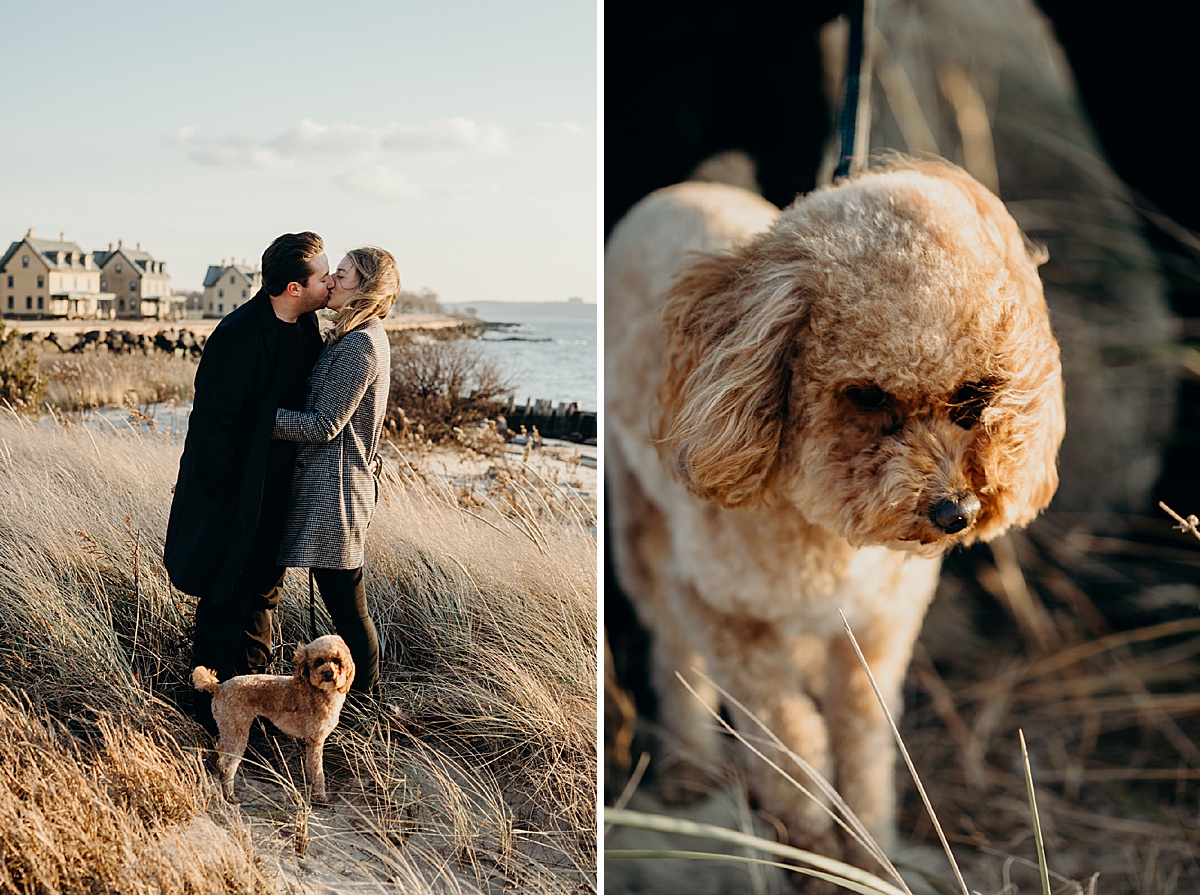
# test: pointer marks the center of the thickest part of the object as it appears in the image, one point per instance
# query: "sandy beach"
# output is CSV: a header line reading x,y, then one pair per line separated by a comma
x,y
562,467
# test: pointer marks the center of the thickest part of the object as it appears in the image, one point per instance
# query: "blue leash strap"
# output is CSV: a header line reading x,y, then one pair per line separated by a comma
x,y
856,92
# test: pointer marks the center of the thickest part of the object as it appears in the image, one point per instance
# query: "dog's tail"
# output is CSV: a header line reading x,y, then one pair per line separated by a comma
x,y
733,167
204,679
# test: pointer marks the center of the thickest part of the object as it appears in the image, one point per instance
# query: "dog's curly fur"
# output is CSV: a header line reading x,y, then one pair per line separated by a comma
x,y
806,409
307,705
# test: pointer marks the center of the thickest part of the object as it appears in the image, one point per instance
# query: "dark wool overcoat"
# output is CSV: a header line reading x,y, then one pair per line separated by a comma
x,y
333,489
219,491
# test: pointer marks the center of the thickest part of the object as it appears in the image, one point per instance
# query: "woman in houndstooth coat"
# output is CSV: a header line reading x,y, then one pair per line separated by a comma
x,y
334,490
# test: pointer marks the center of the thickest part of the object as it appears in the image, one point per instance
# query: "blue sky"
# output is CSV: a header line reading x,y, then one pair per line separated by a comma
x,y
460,135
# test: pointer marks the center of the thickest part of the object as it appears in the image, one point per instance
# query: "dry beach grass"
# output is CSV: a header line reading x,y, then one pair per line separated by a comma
x,y
1081,636
474,771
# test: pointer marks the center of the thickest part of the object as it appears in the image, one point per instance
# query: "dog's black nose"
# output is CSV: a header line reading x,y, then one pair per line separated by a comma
x,y
952,515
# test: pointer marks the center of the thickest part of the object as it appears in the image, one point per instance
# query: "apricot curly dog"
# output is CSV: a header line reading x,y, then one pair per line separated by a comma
x,y
806,409
306,705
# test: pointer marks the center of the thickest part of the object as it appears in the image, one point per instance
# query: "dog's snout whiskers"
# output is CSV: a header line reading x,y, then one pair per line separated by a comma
x,y
956,514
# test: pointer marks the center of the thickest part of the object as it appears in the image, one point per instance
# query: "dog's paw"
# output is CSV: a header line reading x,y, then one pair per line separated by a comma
x,y
320,798
827,844
681,783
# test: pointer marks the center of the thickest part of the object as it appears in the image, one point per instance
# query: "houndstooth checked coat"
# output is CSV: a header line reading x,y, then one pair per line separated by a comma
x,y
333,489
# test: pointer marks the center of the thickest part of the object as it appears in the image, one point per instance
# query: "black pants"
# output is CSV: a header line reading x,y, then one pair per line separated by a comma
x,y
345,597
234,636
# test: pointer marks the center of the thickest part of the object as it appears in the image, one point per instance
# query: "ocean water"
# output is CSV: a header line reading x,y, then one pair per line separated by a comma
x,y
550,354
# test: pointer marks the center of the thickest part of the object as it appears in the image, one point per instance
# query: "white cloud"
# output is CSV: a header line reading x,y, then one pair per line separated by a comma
x,y
379,181
351,142
235,151
336,139
455,134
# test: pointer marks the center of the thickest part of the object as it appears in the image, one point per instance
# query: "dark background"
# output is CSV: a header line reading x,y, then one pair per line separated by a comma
x,y
682,81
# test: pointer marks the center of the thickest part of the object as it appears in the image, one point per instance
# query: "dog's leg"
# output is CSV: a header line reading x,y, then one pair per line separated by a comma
x,y
638,534
314,767
692,756
232,744
641,549
759,666
863,744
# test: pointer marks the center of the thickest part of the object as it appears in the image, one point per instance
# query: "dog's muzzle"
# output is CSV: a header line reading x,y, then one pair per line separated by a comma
x,y
955,514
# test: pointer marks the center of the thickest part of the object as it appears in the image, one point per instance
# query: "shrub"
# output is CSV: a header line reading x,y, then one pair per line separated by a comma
x,y
440,385
21,384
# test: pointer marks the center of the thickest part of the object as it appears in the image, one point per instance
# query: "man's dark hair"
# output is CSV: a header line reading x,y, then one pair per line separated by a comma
x,y
288,260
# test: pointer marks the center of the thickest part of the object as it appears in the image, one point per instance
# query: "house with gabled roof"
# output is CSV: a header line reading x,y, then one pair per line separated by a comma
x,y
51,278
140,283
226,286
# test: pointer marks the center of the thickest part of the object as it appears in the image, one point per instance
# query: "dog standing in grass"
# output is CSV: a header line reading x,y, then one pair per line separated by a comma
x,y
307,705
806,409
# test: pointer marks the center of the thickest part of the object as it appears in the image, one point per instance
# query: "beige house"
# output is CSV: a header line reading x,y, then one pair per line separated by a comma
x,y
51,278
227,286
140,284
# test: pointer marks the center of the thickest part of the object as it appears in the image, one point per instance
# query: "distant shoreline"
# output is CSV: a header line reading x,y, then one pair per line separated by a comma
x,y
203,325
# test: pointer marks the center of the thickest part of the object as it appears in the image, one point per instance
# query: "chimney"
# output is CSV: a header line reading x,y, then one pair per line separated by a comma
x,y
110,248
139,246
62,235
31,234
120,243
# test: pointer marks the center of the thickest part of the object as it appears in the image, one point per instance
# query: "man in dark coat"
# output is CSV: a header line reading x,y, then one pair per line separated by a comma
x,y
227,513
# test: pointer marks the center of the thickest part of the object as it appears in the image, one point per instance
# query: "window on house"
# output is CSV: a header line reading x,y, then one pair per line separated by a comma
x,y
118,270
133,286
10,302
41,281
121,305
220,293
103,284
28,302
24,260
243,291
10,281
234,307
220,309
231,279
41,302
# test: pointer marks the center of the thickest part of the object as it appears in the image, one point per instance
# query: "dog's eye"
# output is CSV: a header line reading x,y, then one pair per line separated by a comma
x,y
968,403
868,397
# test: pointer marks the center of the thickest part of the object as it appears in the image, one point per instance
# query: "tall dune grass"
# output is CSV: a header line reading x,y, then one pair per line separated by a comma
x,y
473,769
102,379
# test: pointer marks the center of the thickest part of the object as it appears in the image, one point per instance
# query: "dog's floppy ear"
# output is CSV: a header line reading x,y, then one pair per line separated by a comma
x,y
733,320
301,661
347,669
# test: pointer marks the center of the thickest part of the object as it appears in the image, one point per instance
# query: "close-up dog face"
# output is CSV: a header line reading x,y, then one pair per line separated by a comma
x,y
326,664
889,342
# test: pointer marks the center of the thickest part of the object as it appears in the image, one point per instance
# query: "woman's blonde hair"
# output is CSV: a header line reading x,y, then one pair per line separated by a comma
x,y
378,287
